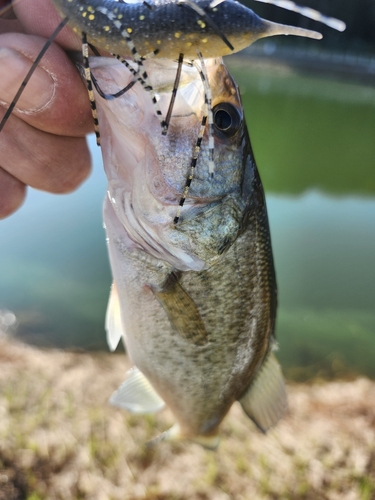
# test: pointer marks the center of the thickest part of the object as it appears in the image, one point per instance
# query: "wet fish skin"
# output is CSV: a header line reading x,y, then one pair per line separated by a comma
x,y
198,299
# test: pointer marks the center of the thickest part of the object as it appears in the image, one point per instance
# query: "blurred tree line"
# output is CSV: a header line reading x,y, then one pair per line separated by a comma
x,y
359,16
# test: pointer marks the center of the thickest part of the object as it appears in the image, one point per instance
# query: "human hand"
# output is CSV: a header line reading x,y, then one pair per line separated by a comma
x,y
43,143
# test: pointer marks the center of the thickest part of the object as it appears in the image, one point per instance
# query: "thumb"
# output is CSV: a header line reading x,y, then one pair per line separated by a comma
x,y
55,99
40,89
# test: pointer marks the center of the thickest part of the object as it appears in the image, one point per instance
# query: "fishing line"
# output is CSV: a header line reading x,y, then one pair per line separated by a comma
x,y
31,71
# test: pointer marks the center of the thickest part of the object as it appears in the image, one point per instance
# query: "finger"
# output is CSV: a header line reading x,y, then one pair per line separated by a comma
x,y
6,10
39,17
55,99
44,161
12,193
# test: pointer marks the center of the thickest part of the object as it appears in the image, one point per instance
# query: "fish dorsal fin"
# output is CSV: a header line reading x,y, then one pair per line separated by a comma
x,y
113,322
136,394
265,401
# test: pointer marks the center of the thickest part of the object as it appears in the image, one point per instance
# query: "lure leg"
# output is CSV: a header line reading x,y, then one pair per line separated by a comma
x,y
140,79
145,82
308,12
86,66
90,81
192,169
208,101
109,97
204,15
138,59
208,117
174,92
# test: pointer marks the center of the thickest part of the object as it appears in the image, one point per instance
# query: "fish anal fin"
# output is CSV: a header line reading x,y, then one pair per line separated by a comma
x,y
265,401
182,312
137,395
210,442
113,321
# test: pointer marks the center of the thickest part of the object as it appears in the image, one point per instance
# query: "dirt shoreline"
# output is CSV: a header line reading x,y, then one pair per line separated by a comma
x,y
59,439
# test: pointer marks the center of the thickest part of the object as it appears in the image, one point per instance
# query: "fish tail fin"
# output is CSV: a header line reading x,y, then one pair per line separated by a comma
x,y
208,442
271,29
265,401
174,434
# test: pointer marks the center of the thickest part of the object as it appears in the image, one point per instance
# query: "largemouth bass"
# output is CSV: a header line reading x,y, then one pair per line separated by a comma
x,y
194,301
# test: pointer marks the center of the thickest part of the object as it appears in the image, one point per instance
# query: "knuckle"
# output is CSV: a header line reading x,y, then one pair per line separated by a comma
x,y
63,167
12,194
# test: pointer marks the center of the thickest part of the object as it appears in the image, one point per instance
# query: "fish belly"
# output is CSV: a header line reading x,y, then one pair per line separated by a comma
x,y
199,381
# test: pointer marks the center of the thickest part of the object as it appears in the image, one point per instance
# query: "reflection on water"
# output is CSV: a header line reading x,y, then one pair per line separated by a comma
x,y
313,141
324,251
309,132
54,271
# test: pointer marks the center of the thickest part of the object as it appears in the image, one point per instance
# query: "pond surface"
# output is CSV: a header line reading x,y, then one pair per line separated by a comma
x,y
313,140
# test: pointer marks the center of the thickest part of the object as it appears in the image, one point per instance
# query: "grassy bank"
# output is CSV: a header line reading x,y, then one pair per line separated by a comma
x,y
59,439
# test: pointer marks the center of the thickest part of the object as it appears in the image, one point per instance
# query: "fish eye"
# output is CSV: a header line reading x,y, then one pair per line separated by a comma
x,y
227,118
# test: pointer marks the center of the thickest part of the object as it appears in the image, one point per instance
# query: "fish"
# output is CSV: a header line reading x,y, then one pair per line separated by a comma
x,y
167,28
194,301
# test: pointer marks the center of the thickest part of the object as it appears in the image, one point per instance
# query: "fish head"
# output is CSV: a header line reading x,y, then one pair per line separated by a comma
x,y
148,172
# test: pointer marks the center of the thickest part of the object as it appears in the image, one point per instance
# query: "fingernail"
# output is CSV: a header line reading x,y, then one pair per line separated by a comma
x,y
38,91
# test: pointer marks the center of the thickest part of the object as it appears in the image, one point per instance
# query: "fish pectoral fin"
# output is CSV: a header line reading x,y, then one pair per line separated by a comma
x,y
182,312
265,401
113,321
136,394
174,434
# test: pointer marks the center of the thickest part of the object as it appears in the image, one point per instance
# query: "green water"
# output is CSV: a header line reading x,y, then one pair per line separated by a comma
x,y
314,145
